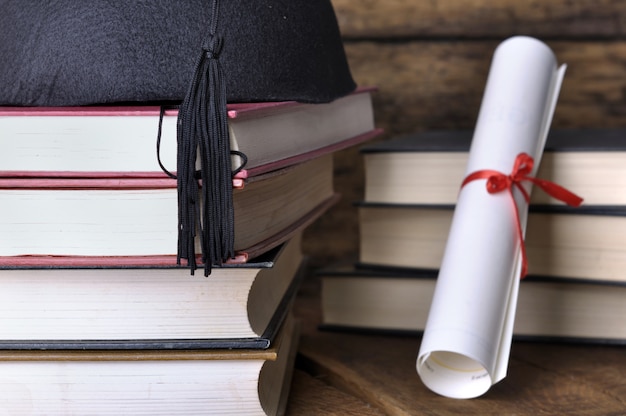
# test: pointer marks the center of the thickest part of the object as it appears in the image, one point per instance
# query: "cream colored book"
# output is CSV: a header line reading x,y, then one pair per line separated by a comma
x,y
99,217
562,243
153,306
428,167
249,382
121,141
392,300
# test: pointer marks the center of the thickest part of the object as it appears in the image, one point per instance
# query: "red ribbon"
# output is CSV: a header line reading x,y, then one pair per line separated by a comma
x,y
498,182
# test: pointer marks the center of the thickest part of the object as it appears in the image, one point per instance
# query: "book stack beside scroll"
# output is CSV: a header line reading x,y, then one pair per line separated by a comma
x,y
97,316
576,285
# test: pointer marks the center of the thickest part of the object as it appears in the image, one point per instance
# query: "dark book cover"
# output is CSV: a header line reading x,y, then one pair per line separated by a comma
x,y
562,140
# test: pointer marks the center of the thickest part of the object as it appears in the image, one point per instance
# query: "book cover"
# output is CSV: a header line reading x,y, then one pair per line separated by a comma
x,y
558,140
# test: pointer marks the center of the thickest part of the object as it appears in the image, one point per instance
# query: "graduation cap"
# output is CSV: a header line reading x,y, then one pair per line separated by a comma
x,y
196,54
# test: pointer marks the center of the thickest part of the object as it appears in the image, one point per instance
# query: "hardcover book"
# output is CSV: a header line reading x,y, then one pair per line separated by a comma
x,y
137,218
428,167
583,243
209,382
122,141
396,300
115,307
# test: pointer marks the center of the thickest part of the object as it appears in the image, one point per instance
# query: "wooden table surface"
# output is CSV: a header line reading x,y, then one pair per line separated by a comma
x,y
363,374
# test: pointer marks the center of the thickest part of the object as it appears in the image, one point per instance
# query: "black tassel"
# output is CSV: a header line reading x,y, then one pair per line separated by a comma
x,y
205,200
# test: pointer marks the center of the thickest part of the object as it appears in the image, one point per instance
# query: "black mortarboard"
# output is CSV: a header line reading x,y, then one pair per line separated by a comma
x,y
199,54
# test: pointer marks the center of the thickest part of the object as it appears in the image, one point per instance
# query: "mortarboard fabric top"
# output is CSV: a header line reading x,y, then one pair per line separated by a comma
x,y
196,54
73,52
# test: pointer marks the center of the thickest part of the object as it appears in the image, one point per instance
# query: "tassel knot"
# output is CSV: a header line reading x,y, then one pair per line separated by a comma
x,y
212,46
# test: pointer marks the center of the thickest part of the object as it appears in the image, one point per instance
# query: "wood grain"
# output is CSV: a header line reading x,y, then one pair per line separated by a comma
x,y
440,84
481,18
309,396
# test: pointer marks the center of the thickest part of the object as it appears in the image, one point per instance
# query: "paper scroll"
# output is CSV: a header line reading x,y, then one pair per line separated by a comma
x,y
467,338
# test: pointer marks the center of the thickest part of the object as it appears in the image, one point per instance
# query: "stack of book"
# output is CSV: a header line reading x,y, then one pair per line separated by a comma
x,y
576,287
96,314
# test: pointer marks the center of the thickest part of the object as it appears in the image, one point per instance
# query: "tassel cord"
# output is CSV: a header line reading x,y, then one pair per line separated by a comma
x,y
205,203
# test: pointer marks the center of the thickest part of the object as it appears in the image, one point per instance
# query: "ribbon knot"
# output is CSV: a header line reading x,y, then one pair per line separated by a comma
x,y
498,182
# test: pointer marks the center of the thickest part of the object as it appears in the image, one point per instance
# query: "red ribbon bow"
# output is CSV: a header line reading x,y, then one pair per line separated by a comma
x,y
498,182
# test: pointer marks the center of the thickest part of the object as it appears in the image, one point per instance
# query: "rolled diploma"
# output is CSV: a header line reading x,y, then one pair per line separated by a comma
x,y
467,338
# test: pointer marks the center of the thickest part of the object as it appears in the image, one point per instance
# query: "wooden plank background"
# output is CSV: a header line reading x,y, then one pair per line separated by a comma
x,y
430,61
